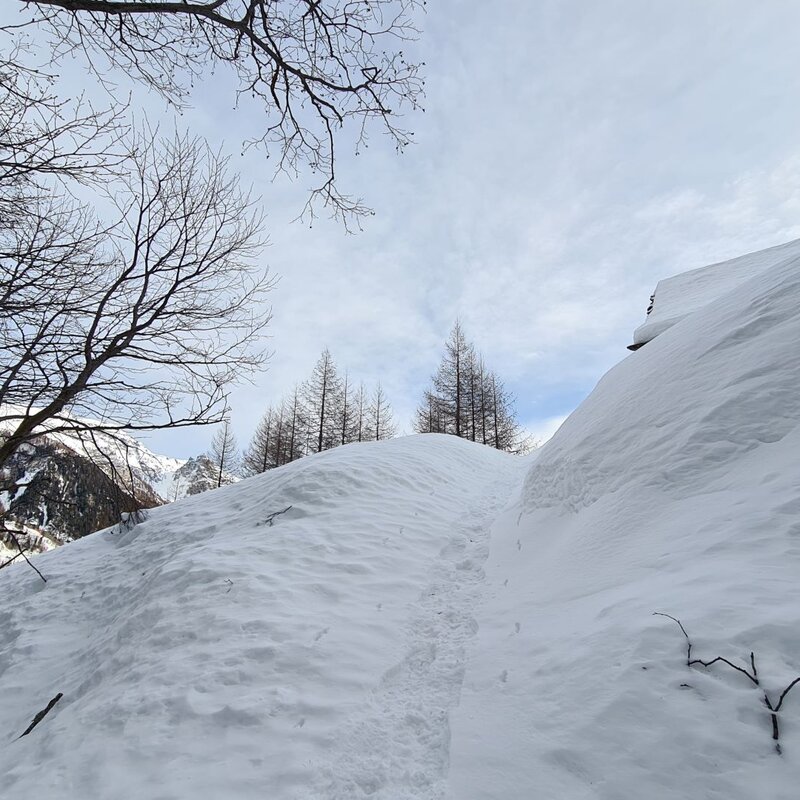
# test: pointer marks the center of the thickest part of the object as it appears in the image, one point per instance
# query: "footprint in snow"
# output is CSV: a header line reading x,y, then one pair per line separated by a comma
x,y
320,634
519,545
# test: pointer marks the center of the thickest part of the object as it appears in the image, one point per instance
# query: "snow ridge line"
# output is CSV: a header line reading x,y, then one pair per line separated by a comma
x,y
397,746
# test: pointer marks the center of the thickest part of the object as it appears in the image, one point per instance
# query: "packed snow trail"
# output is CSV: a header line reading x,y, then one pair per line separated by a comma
x,y
396,746
209,653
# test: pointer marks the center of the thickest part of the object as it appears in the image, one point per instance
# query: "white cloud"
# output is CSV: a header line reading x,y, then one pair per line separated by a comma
x,y
571,155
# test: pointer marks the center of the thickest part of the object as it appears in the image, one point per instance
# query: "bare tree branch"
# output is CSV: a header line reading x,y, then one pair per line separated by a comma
x,y
314,65
139,324
774,709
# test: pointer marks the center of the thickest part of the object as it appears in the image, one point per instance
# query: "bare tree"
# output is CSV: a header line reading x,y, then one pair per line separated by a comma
x,y
380,419
321,393
446,407
345,411
297,414
315,65
139,324
258,456
468,400
224,453
361,406
46,141
136,317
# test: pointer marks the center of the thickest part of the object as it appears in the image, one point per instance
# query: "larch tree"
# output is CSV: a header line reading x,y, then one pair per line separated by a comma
x,y
297,423
451,386
360,409
224,453
258,456
381,425
468,400
345,412
321,395
324,413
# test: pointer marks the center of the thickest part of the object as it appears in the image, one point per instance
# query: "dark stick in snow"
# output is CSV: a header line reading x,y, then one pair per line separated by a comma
x,y
21,553
271,518
753,677
41,715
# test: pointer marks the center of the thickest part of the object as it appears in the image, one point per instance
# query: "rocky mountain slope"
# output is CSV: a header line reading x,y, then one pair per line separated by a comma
x,y
62,487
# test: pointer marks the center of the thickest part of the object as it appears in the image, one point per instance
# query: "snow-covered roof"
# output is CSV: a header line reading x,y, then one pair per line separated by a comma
x,y
680,295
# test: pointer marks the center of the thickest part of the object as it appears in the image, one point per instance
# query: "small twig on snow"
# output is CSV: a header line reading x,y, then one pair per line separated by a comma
x,y
41,715
754,677
271,518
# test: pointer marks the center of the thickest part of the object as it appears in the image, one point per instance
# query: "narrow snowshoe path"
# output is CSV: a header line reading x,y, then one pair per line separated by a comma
x,y
300,634
396,745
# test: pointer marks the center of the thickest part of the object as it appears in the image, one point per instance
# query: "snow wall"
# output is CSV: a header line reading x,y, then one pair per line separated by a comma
x,y
674,488
680,295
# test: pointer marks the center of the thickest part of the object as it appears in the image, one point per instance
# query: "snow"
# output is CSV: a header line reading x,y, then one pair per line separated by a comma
x,y
683,294
673,488
206,653
431,619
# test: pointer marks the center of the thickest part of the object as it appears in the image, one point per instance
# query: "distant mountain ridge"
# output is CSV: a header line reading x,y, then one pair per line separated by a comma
x,y
64,486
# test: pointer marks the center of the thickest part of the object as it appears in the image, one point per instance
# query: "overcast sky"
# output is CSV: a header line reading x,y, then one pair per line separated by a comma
x,y
571,154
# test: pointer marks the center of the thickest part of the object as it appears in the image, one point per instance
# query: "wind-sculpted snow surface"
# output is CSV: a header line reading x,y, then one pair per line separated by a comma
x,y
683,294
427,618
675,487
222,649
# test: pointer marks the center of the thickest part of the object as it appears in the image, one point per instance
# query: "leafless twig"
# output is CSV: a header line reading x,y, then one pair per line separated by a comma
x,y
271,518
41,715
774,709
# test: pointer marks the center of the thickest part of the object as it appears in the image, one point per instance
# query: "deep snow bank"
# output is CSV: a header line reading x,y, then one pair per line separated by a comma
x,y
402,632
675,487
207,653
680,295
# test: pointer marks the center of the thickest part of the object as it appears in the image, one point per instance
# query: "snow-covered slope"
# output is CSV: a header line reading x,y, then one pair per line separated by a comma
x,y
683,294
674,488
427,618
207,653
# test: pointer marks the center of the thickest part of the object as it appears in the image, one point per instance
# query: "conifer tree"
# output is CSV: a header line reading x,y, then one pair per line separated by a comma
x,y
450,382
380,417
360,409
468,400
296,414
346,413
280,438
258,456
321,394
224,453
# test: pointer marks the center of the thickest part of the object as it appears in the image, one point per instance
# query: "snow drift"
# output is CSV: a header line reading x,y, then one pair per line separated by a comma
x,y
303,631
673,488
428,618
680,295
